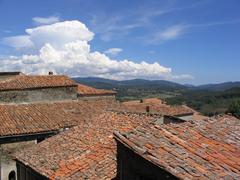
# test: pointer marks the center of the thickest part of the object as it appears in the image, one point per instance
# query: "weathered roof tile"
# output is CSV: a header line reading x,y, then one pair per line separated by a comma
x,y
21,82
87,90
16,119
191,152
86,151
155,106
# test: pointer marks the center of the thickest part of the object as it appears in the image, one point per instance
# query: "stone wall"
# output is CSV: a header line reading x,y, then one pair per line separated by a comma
x,y
6,75
187,117
7,164
98,97
33,95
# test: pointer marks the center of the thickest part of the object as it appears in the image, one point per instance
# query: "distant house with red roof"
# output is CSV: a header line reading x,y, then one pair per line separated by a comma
x,y
87,92
157,106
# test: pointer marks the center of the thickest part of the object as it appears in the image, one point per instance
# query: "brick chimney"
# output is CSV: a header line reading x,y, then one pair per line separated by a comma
x,y
50,73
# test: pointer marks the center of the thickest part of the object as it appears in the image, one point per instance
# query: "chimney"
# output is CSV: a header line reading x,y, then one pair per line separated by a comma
x,y
147,109
50,73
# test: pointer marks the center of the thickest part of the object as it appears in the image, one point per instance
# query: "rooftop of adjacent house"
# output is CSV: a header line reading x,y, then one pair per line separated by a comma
x,y
155,106
16,119
205,149
87,90
10,73
87,151
20,82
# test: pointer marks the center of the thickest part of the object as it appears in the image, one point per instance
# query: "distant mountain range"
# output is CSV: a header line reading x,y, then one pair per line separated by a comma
x,y
218,87
152,84
134,83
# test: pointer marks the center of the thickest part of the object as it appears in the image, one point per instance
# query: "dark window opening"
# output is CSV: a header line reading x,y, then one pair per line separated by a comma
x,y
12,175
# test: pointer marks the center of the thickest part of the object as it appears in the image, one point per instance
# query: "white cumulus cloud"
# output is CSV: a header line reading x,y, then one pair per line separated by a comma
x,y
113,51
45,20
63,47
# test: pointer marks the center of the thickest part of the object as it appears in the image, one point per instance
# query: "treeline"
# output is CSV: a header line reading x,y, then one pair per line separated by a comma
x,y
126,94
208,102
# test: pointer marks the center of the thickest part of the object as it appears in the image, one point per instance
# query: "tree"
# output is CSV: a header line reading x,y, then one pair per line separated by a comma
x,y
234,108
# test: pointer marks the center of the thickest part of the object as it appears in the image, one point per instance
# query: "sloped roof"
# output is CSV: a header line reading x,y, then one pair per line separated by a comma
x,y
87,151
16,119
204,149
21,82
87,90
155,106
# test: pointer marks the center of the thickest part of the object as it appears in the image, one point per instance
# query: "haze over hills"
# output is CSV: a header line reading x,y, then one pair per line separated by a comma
x,y
140,83
158,84
218,87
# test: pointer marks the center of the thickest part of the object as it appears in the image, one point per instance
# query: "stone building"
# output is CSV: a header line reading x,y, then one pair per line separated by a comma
x,y
6,75
157,106
24,125
29,88
34,107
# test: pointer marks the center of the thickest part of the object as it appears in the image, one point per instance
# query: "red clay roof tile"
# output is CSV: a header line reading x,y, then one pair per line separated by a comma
x,y
201,149
87,90
21,82
16,119
155,106
86,151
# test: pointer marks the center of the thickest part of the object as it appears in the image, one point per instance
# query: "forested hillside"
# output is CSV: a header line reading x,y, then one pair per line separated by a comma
x,y
208,99
207,102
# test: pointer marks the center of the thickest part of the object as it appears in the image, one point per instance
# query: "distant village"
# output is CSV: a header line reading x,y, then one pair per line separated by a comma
x,y
52,127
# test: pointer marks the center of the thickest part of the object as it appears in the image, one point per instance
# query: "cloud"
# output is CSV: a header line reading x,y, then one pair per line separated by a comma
x,y
176,31
7,31
113,51
119,24
170,33
64,48
45,20
18,42
56,34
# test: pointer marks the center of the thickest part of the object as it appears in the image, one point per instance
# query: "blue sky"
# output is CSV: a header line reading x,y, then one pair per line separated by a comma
x,y
198,40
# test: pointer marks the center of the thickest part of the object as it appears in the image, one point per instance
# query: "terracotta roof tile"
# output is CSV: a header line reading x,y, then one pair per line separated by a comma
x,y
201,149
155,106
40,117
21,82
87,90
87,151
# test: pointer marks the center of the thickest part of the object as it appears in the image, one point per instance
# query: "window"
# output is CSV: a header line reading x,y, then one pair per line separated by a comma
x,y
12,175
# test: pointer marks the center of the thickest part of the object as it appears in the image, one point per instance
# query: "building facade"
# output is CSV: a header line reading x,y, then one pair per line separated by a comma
x,y
24,88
